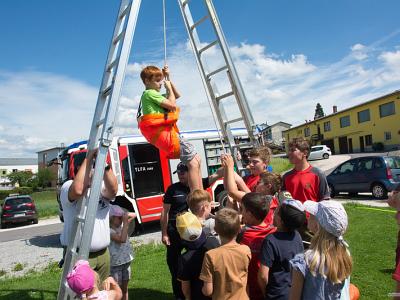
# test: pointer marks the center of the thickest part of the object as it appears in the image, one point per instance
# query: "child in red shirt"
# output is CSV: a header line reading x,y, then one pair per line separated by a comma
x,y
255,207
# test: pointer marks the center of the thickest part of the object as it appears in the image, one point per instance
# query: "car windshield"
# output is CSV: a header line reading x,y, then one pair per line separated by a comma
x,y
393,162
18,201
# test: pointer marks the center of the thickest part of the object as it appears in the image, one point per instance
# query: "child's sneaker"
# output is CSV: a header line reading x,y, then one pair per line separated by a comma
x,y
187,151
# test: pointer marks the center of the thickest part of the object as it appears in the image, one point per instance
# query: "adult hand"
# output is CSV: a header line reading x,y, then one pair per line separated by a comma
x,y
131,216
165,240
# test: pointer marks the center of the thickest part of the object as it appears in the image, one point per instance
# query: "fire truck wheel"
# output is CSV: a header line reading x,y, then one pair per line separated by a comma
x,y
222,198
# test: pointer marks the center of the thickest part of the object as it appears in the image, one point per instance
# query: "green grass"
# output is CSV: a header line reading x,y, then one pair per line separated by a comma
x,y
280,165
18,267
46,203
372,237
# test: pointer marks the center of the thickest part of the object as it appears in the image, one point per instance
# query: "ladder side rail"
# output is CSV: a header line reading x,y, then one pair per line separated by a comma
x,y
107,74
92,203
209,86
71,252
106,135
194,41
232,73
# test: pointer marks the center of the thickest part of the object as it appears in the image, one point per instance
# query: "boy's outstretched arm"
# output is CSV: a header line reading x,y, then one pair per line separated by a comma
x,y
166,73
229,178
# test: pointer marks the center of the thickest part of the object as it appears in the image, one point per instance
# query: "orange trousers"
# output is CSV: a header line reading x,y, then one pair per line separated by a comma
x,y
161,131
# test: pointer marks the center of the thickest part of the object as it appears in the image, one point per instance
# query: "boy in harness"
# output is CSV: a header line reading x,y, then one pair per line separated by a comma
x,y
157,117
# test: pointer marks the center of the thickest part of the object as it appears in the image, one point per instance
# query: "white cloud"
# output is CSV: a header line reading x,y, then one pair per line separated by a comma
x,y
41,110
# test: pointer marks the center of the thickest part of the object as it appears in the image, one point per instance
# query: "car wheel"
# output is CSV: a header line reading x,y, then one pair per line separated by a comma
x,y
379,191
325,156
35,221
332,190
222,198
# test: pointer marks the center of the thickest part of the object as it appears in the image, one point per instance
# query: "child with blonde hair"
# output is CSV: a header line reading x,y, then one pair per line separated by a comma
x,y
321,272
85,283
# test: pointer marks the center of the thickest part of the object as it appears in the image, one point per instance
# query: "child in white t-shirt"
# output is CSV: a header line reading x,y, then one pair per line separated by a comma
x,y
121,252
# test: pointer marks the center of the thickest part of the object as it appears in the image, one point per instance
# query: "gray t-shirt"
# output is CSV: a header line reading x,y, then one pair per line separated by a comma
x,y
315,287
120,253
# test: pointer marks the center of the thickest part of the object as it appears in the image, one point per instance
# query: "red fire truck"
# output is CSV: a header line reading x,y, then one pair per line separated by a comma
x,y
143,172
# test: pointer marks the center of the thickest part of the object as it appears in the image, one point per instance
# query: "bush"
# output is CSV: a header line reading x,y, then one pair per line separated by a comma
x,y
23,190
378,146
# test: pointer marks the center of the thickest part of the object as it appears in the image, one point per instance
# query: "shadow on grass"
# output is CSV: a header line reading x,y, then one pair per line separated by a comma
x,y
27,294
387,271
148,294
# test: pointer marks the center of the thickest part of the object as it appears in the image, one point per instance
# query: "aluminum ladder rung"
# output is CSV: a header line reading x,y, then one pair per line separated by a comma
x,y
185,2
125,11
100,122
112,64
198,22
209,75
233,121
226,95
208,46
107,90
119,37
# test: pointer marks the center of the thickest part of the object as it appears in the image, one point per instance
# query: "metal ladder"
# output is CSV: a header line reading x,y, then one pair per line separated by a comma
x,y
101,134
228,70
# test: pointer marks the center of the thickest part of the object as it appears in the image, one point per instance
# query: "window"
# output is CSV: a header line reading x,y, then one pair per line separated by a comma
x,y
327,126
347,167
307,131
368,140
14,170
365,164
386,109
363,116
388,135
344,121
4,172
313,149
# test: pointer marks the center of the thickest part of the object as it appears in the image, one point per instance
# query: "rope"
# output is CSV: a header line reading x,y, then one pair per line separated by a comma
x,y
165,35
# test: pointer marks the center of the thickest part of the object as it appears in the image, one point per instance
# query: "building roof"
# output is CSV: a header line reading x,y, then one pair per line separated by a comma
x,y
10,161
50,149
349,108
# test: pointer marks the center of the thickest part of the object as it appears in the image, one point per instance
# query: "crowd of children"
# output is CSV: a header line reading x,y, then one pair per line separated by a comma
x,y
251,249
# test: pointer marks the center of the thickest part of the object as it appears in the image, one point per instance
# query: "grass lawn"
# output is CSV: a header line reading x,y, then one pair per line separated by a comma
x,y
371,235
46,203
280,165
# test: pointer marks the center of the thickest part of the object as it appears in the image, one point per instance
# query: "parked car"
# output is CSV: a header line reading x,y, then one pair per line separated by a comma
x,y
319,152
18,209
376,174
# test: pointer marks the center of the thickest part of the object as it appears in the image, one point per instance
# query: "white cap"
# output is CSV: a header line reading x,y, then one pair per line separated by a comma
x,y
330,214
294,203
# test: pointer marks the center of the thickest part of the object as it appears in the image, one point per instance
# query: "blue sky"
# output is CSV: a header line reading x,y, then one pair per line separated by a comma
x,y
289,55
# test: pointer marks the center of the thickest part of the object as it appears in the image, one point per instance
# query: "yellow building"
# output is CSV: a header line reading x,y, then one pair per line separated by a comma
x,y
356,129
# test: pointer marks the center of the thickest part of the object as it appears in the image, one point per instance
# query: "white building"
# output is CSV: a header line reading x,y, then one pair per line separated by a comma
x,y
10,165
273,134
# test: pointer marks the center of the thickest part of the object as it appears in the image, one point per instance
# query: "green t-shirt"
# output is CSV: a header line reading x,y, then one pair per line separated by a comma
x,y
151,100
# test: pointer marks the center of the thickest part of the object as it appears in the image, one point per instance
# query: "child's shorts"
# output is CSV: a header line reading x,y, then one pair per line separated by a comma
x,y
121,273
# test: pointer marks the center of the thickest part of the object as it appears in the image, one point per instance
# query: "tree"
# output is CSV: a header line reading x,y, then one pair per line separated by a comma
x,y
319,112
44,177
20,177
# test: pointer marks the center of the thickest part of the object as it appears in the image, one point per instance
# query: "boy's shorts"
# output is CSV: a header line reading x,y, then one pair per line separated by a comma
x,y
187,150
121,273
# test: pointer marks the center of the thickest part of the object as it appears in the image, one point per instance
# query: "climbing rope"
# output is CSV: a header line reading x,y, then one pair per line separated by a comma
x,y
165,34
